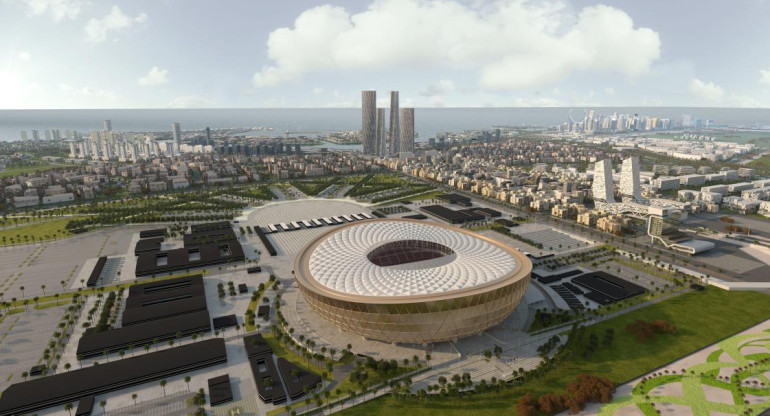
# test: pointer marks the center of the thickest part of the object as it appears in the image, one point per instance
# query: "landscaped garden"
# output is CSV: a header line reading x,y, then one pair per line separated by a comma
x,y
734,379
700,319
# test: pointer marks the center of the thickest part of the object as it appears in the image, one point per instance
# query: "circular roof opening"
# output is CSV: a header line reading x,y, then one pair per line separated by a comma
x,y
407,251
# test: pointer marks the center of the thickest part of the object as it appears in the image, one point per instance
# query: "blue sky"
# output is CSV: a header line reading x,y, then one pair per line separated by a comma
x,y
240,53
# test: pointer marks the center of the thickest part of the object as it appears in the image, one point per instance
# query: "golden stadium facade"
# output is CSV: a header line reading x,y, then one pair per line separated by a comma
x,y
411,281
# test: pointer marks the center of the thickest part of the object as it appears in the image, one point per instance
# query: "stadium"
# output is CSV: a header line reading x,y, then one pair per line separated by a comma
x,y
409,281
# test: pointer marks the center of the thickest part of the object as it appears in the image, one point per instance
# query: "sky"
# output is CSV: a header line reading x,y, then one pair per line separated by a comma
x,y
438,53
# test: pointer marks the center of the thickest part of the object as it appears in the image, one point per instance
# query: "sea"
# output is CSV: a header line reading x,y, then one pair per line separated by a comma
x,y
428,121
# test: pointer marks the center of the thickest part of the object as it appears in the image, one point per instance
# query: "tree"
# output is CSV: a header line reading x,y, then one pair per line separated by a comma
x,y
25,375
103,404
134,396
163,385
68,407
187,380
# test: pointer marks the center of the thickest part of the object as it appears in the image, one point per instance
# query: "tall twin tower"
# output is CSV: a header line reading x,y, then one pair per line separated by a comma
x,y
400,136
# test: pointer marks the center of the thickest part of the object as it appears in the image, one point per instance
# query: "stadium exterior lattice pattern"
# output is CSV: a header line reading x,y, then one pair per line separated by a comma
x,y
411,281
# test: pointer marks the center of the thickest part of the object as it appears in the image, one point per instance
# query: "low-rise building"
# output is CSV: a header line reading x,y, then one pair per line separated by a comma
x,y
59,198
611,224
25,201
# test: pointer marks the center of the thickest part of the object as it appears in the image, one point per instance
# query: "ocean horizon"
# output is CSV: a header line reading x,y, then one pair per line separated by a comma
x,y
428,121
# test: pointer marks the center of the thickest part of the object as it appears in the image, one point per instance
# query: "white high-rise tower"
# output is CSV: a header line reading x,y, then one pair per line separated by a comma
x,y
629,179
602,187
407,129
369,121
381,144
176,132
395,126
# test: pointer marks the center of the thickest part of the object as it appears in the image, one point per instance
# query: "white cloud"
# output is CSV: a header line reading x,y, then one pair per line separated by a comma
x,y
442,87
87,91
609,91
318,91
23,55
537,102
116,20
511,44
710,92
190,101
58,9
743,101
156,76
764,76
99,93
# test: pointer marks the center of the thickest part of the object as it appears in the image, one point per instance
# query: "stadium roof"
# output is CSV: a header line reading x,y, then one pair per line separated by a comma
x,y
455,259
697,246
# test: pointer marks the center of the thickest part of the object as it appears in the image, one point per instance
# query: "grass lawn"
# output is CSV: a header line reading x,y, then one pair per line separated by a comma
x,y
281,351
701,319
373,378
31,167
420,197
253,304
44,230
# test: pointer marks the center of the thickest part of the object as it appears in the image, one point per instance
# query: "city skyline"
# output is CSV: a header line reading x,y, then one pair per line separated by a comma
x,y
578,39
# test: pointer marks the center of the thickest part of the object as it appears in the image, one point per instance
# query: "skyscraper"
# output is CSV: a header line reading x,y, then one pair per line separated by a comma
x,y
380,148
407,130
395,125
369,121
35,135
23,135
629,179
602,187
176,132
107,125
208,136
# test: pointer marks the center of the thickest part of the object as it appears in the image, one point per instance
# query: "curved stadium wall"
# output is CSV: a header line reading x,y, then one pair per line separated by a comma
x,y
432,315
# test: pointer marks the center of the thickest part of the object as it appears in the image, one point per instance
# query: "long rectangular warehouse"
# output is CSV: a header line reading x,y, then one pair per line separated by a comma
x,y
144,333
167,309
65,387
159,262
96,272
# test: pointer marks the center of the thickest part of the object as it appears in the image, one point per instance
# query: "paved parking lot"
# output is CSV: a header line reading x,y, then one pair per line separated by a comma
x,y
23,337
553,240
50,263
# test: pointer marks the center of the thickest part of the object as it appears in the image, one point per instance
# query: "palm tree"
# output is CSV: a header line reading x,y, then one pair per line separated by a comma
x,y
103,404
43,288
68,408
163,385
22,290
25,375
187,380
134,396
